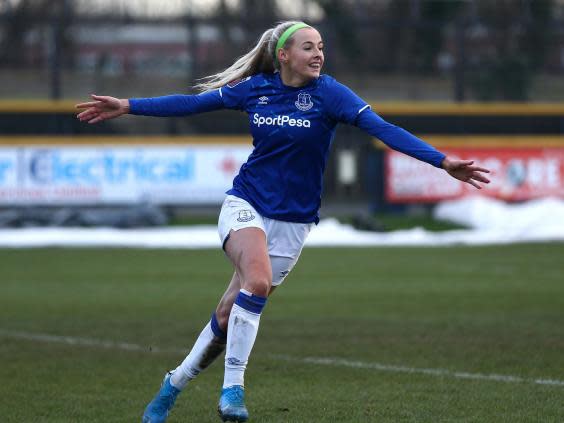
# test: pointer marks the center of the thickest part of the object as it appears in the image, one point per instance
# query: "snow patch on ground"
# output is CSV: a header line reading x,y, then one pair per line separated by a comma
x,y
490,222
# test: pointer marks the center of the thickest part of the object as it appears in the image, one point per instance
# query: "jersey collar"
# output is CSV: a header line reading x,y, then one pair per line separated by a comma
x,y
281,84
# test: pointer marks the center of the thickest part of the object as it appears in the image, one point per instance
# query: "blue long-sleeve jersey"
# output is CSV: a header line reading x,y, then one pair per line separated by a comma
x,y
292,130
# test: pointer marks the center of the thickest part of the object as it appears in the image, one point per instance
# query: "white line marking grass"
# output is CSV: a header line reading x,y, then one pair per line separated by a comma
x,y
85,342
333,362
339,362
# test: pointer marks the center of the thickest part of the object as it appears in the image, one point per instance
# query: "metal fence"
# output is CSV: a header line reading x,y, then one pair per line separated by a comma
x,y
461,57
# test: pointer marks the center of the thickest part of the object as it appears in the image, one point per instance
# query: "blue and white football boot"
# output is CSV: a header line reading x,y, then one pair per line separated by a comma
x,y
157,410
231,406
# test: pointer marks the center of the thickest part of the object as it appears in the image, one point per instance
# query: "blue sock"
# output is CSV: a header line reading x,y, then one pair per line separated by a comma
x,y
217,331
250,302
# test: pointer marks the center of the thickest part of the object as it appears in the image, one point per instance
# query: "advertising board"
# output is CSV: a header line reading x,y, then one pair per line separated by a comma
x,y
179,174
516,174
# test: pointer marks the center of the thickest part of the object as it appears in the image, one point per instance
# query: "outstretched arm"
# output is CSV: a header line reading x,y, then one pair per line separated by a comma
x,y
102,108
401,140
105,107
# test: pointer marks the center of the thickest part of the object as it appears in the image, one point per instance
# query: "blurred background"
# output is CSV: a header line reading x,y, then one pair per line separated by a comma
x,y
464,329
477,79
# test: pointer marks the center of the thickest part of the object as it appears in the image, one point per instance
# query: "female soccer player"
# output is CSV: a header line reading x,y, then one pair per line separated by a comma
x,y
293,111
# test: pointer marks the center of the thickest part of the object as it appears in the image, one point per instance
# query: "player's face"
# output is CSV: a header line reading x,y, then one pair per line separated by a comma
x,y
304,57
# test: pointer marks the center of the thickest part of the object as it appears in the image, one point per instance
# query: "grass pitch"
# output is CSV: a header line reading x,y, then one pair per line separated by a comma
x,y
475,311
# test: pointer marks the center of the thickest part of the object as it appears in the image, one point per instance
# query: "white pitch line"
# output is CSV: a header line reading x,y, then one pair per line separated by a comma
x,y
86,342
339,362
334,362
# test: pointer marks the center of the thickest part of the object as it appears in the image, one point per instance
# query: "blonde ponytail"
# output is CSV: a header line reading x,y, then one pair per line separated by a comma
x,y
260,59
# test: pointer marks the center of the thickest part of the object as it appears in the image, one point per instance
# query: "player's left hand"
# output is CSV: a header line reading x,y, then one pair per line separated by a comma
x,y
466,171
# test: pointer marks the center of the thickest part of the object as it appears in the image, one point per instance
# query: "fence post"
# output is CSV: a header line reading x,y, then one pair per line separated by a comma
x,y
460,62
55,59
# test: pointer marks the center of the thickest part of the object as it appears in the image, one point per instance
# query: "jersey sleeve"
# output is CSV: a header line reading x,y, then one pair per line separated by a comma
x,y
176,104
231,96
398,138
234,94
343,104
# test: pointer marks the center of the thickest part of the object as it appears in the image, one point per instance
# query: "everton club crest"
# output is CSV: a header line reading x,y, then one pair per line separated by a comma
x,y
245,216
304,102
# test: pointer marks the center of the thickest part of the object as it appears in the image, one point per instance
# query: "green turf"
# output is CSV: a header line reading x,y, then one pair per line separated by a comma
x,y
488,310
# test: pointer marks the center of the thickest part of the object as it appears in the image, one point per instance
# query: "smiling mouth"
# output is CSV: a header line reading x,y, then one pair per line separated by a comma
x,y
316,66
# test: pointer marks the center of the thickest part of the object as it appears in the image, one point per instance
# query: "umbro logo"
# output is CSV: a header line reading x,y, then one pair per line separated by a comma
x,y
232,361
263,100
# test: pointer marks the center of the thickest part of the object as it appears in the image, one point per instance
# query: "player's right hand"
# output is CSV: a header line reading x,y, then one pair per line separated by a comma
x,y
103,108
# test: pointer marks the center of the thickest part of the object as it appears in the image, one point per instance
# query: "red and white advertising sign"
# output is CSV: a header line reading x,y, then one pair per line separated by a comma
x,y
516,174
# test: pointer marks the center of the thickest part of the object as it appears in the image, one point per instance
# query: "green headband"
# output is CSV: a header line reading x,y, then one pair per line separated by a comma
x,y
287,34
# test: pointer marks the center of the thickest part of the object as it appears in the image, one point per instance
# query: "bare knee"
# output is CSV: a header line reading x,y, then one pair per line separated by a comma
x,y
257,281
258,284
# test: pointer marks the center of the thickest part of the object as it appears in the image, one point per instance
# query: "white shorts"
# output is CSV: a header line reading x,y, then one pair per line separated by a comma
x,y
285,240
